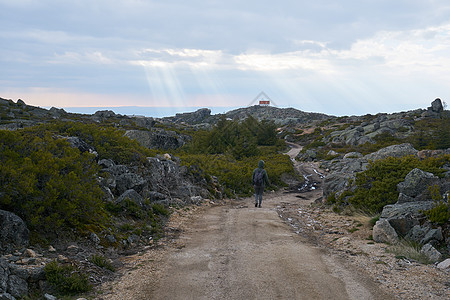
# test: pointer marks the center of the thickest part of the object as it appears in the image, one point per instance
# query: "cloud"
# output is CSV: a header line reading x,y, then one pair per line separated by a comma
x,y
302,53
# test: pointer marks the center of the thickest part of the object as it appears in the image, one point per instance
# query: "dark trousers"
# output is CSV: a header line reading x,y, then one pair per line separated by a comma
x,y
258,194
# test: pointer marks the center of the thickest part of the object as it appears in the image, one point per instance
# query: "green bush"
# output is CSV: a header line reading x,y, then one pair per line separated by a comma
x,y
160,209
439,214
48,183
238,139
432,133
66,279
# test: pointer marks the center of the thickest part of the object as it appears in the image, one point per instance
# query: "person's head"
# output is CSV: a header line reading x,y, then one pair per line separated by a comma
x,y
261,164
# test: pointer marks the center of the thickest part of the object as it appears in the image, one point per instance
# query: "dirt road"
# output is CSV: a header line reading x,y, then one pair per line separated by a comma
x,y
249,253
237,251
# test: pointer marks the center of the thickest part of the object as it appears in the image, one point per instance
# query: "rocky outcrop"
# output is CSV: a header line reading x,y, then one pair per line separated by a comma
x,y
343,169
158,139
407,218
162,180
431,252
392,151
436,106
281,116
21,272
202,115
13,232
367,131
403,217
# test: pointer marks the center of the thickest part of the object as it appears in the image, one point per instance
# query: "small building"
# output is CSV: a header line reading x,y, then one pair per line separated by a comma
x,y
262,99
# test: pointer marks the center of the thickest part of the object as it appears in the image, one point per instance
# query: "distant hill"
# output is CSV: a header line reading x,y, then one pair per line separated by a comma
x,y
281,116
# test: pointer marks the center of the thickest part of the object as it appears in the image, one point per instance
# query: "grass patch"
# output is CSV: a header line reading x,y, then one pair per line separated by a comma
x,y
351,230
102,262
410,250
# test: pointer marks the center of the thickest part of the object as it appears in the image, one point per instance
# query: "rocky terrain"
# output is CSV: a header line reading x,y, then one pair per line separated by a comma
x,y
162,179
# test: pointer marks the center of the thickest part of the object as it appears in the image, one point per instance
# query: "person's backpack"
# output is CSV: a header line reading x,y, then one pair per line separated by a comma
x,y
259,178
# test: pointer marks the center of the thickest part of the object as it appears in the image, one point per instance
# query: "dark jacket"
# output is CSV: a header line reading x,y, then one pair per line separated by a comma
x,y
265,177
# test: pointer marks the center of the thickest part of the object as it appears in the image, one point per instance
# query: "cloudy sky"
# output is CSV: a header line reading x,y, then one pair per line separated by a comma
x,y
337,57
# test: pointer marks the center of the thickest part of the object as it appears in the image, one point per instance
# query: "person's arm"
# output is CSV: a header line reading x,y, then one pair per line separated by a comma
x,y
266,178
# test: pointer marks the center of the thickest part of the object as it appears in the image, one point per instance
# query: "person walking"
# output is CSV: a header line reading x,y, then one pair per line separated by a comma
x,y
259,179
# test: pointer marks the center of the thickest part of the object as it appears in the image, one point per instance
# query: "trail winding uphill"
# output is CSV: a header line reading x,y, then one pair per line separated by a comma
x,y
237,251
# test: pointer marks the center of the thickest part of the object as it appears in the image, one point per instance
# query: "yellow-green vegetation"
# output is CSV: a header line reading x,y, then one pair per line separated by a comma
x,y
231,151
67,279
377,186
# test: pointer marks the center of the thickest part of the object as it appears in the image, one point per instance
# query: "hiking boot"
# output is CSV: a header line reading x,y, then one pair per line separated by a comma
x,y
256,204
259,206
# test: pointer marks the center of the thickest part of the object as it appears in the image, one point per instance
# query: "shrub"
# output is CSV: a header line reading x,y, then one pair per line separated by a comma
x,y
440,213
66,279
238,139
102,262
48,183
432,133
160,209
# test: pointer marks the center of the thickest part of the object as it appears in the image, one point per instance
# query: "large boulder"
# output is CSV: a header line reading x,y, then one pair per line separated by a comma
x,y
436,106
199,116
158,139
17,287
416,183
145,122
383,232
432,235
392,151
335,183
131,195
417,233
129,181
403,217
13,232
444,265
4,274
431,252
